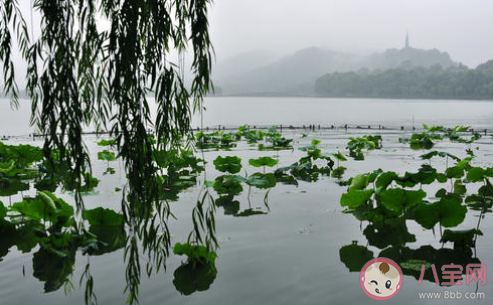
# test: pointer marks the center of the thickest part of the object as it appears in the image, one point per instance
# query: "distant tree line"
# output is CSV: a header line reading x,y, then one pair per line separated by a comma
x,y
411,82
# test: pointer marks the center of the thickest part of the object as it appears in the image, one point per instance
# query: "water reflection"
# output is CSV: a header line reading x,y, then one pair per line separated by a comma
x,y
50,227
387,230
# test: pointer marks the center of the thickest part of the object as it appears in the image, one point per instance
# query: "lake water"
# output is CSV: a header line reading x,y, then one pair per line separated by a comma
x,y
235,111
290,254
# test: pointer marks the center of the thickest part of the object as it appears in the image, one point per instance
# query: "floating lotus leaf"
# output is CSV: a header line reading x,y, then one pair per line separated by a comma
x,y
228,184
104,142
262,180
399,200
263,161
448,211
106,156
355,198
228,164
103,217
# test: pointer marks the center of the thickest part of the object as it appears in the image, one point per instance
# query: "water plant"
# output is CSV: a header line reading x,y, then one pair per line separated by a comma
x,y
198,272
356,145
388,200
263,162
432,134
228,164
384,202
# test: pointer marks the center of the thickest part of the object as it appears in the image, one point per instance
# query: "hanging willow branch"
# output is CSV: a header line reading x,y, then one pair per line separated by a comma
x,y
11,18
82,74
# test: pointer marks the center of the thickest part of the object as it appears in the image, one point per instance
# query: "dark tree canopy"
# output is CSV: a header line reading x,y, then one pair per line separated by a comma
x,y
411,82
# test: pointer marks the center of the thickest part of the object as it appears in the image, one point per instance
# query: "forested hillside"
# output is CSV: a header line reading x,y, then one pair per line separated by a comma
x,y
415,82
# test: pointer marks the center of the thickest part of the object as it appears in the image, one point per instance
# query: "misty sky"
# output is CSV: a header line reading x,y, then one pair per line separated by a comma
x,y
464,28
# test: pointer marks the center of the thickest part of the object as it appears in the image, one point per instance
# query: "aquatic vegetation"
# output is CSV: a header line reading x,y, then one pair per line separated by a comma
x,y
262,180
215,140
106,156
110,142
384,202
338,172
228,164
388,200
276,140
442,154
252,136
49,222
263,162
305,168
356,145
228,184
432,134
339,157
198,272
456,134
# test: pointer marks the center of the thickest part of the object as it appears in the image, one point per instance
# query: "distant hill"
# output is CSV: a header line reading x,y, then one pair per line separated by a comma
x,y
288,75
243,63
296,74
409,57
435,82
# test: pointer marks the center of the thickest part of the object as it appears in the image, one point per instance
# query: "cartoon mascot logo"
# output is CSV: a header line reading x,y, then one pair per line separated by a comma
x,y
381,278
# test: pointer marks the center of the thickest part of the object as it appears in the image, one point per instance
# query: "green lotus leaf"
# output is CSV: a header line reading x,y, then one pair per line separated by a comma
x,y
106,156
339,156
103,217
104,142
110,238
359,182
442,154
475,174
195,253
262,180
448,211
385,179
355,198
228,164
433,128
399,200
263,161
426,215
228,184
41,207
459,188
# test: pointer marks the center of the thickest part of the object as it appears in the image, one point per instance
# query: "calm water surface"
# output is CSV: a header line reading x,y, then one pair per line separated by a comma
x,y
291,254
235,111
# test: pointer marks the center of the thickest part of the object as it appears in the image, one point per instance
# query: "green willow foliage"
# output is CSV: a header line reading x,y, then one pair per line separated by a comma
x,y
81,74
